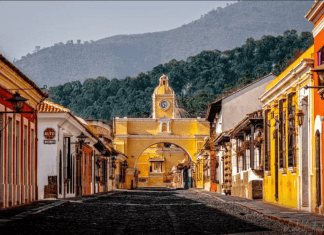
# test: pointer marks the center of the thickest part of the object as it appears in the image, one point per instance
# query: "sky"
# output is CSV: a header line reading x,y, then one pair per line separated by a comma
x,y
25,25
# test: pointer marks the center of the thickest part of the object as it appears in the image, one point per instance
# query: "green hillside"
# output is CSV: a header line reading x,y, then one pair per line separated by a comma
x,y
196,81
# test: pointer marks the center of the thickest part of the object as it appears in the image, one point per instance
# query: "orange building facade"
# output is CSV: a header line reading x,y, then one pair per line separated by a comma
x,y
316,16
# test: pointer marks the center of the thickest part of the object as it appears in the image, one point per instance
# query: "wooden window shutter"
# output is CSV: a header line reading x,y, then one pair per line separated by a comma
x,y
280,133
290,134
265,124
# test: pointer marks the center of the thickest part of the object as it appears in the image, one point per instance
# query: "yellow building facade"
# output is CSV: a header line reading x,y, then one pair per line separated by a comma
x,y
287,139
169,124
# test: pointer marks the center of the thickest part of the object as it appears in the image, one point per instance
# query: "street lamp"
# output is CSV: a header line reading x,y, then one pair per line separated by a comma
x,y
81,138
17,103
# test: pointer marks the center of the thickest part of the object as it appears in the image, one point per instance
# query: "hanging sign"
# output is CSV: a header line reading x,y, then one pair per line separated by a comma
x,y
49,133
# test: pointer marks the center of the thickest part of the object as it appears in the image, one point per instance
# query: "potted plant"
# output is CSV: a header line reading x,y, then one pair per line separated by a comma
x,y
258,141
246,144
239,151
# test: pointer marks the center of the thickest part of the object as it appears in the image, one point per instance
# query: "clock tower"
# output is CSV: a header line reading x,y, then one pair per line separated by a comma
x,y
163,100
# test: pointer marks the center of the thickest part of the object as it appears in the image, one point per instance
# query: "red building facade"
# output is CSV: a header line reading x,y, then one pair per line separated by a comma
x,y
18,137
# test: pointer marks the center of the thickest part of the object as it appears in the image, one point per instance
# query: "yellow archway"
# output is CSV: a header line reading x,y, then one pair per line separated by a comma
x,y
169,124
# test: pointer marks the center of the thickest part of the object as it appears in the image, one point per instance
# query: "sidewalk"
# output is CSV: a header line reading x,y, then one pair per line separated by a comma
x,y
306,220
24,210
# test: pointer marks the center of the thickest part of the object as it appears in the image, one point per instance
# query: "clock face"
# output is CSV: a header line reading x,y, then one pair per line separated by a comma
x,y
164,104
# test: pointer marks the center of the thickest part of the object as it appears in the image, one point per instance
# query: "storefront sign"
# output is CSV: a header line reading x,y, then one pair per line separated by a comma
x,y
49,141
49,133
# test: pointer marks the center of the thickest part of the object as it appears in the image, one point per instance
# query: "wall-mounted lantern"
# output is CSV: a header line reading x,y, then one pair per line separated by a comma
x,y
300,117
81,139
17,103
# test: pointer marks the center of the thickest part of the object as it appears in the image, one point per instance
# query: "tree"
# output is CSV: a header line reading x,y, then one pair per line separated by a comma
x,y
37,48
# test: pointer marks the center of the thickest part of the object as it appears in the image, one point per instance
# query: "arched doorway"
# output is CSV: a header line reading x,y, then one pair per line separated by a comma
x,y
164,164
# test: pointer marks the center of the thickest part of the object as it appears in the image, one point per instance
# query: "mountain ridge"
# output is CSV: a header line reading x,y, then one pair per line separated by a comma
x,y
120,56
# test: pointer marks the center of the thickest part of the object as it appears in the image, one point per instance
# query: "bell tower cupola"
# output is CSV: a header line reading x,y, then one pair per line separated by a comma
x,y
163,99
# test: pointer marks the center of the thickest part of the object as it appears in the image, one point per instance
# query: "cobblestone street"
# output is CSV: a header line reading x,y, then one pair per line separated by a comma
x,y
145,211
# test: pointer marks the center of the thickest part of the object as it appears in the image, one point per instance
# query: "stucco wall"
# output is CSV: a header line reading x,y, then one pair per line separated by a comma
x,y
47,157
236,106
152,126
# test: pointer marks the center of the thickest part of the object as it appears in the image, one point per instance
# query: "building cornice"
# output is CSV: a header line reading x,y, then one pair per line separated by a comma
x,y
318,28
298,71
313,12
119,120
11,80
160,136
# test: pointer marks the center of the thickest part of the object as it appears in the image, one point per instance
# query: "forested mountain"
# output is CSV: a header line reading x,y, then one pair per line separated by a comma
x,y
196,81
127,55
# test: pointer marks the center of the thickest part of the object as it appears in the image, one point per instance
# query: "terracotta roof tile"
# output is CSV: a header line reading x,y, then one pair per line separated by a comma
x,y
50,107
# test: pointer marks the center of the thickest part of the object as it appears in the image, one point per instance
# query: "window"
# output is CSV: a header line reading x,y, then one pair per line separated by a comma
x,y
240,164
284,138
280,133
320,56
17,150
257,151
291,135
25,155
267,142
32,155
60,173
157,167
164,127
9,150
67,158
247,153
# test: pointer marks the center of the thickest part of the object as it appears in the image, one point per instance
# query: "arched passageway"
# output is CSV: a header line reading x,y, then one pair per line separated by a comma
x,y
164,164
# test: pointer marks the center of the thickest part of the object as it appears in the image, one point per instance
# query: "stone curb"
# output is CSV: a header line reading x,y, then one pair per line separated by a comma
x,y
44,208
284,221
205,194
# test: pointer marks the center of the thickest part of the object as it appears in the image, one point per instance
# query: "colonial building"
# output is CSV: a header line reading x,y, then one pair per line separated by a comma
x,y
169,124
223,114
67,166
18,136
105,167
247,165
289,166
316,16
